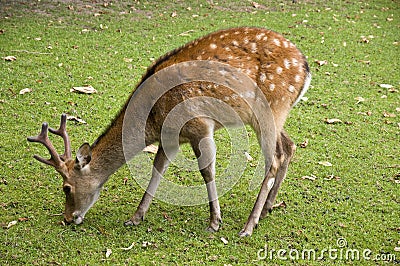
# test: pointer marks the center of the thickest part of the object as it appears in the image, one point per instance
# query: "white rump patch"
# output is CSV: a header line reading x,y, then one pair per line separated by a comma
x,y
307,82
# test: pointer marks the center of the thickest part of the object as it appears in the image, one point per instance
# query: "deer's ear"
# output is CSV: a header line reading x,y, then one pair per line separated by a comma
x,y
83,156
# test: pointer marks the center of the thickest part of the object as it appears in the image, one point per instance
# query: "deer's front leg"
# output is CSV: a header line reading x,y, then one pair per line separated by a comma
x,y
160,165
205,152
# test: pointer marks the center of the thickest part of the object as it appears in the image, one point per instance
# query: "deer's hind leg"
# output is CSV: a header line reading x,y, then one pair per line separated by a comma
x,y
288,148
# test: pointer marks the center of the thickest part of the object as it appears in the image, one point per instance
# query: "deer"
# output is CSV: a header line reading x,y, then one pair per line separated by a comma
x,y
273,63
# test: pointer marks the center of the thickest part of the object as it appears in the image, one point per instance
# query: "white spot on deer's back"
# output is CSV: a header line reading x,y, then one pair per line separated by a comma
x,y
235,43
297,78
277,42
295,62
279,70
213,46
253,47
260,35
263,77
285,44
270,76
271,86
286,62
291,88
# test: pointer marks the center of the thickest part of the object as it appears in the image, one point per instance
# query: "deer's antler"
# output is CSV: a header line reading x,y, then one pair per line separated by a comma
x,y
55,160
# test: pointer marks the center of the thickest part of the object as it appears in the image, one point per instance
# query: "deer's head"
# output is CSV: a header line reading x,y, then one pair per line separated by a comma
x,y
80,186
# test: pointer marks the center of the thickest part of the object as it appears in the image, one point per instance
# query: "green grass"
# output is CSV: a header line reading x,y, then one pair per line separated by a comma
x,y
59,47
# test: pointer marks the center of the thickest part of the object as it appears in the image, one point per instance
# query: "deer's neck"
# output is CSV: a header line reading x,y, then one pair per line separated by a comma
x,y
108,151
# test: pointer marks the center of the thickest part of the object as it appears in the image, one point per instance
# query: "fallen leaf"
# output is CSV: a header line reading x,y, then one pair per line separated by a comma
x,y
86,90
166,217
331,177
332,121
397,109
108,253
10,58
386,86
304,144
364,39
367,62
359,99
76,119
130,247
186,33
248,156
23,219
145,244
387,114
312,177
174,14
281,204
26,90
256,5
12,223
224,241
342,225
321,62
151,148
325,163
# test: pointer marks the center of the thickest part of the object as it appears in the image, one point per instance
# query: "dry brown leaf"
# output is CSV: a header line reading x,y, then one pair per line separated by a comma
x,y
331,177
256,5
248,156
359,99
304,144
387,114
12,223
312,177
174,14
26,90
151,148
10,58
130,247
321,62
332,121
325,163
281,204
108,253
224,241
86,90
386,86
76,119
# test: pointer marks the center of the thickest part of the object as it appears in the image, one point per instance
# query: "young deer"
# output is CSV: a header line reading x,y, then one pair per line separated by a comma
x,y
272,62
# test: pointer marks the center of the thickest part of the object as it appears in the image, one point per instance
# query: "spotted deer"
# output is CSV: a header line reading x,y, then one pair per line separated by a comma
x,y
272,62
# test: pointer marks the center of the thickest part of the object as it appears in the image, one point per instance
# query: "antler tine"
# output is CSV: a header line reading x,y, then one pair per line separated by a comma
x,y
43,138
62,132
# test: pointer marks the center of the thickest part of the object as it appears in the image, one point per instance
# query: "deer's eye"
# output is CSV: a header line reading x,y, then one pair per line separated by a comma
x,y
67,189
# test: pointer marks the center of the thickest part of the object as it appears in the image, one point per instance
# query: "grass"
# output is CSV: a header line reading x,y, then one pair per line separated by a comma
x,y
61,44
